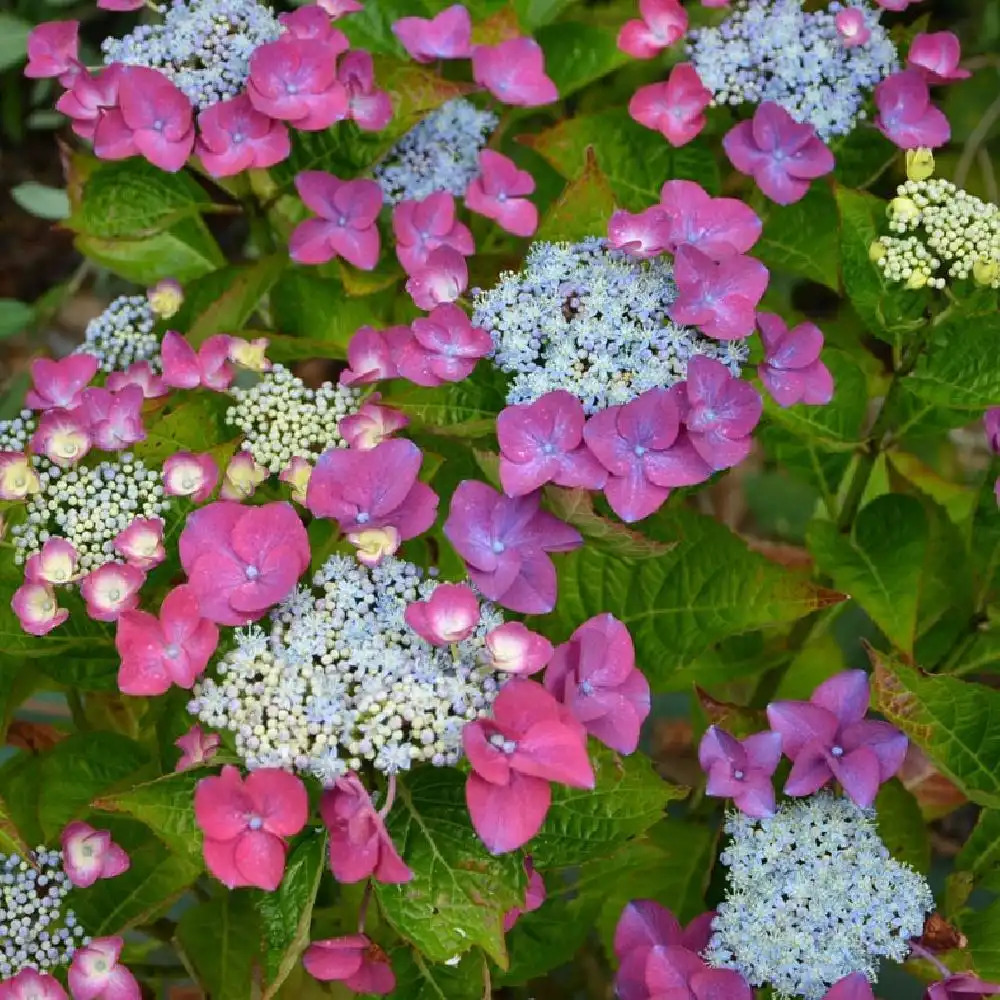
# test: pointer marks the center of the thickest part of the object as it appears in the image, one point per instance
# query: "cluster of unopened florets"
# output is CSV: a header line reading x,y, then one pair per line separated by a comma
x,y
123,333
341,680
203,46
281,418
773,50
16,432
89,507
813,895
943,232
439,154
35,931
592,321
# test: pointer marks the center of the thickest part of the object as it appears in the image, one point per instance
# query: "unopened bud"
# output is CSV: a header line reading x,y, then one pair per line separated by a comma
x,y
919,164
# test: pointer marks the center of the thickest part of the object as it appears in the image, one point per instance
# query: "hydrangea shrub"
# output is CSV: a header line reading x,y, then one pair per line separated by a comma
x,y
375,533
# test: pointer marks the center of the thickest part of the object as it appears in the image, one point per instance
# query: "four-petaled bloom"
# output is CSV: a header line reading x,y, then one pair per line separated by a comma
x,y
111,590
829,737
961,986
371,354
345,228
676,108
197,747
936,54
360,846
209,366
141,543
30,984
62,436
90,854
449,615
441,279
423,226
97,974
242,560
369,107
718,227
17,477
234,136
792,370
515,649
114,419
245,823
356,961
90,98
60,383
186,474
906,115
53,51
497,190
505,544
781,154
662,23
37,609
444,347
55,564
645,924
447,35
741,769
172,649
513,71
529,740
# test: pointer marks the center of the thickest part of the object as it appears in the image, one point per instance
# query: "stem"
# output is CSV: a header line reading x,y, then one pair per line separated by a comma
x,y
390,796
919,951
363,909
77,710
976,138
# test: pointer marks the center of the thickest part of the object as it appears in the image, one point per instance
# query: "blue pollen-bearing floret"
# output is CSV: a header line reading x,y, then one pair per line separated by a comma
x,y
123,333
812,896
593,321
439,154
773,50
203,46
339,679
35,930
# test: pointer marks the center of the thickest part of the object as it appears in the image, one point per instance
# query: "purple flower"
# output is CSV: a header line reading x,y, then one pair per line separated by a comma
x,y
852,987
504,542
370,108
496,192
961,986
53,51
906,115
663,23
234,136
741,769
87,100
643,234
446,36
641,446
542,442
718,227
114,419
423,226
991,423
513,71
673,972
645,924
792,371
445,347
345,228
829,737
719,297
594,675
780,154
675,108
936,55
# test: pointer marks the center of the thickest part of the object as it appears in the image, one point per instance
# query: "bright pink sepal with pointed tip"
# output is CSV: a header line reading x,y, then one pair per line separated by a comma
x,y
497,192
30,984
208,367
97,974
234,136
113,419
312,22
111,590
422,226
676,108
141,374
741,769
513,71
906,116
447,35
89,98
369,107
449,615
719,227
445,347
197,747
53,50
89,854
441,280
936,55
186,474
515,649
60,383
372,354
792,371
645,924
355,961
663,23
371,424
345,226
534,896
141,543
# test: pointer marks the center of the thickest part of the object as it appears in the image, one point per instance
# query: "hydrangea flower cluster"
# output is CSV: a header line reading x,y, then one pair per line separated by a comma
x,y
774,50
36,928
281,419
340,678
123,334
813,895
441,153
593,321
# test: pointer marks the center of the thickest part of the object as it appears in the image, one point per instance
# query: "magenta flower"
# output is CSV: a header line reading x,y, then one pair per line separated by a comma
x,y
829,737
991,424
360,846
114,419
111,590
141,543
442,279
780,154
719,412
153,119
496,193
197,747
895,5
449,615
184,368
852,27
62,436
645,924
594,675
338,8
663,23
53,50
423,226
445,347
36,608
29,984
448,35
371,424
371,354
792,371
852,987
89,99
542,442
677,973
515,649
906,116
961,986
240,561
141,374
345,228
60,384
55,564
513,71
718,227
357,962
90,854
719,297
96,973
505,544
534,897
120,5
245,823
234,136
645,453
312,22
188,475
172,649
295,80
644,234
741,769
369,107
675,109
936,55
529,740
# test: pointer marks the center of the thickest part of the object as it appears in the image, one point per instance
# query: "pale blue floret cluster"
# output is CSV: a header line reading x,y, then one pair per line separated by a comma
x,y
123,333
439,154
773,50
593,321
341,680
35,930
813,895
203,46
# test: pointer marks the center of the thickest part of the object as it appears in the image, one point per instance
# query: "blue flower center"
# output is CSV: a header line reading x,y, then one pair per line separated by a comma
x,y
255,822
252,572
498,547
837,751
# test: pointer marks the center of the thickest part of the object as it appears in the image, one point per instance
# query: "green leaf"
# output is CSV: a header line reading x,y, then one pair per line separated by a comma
x,y
419,979
195,424
578,53
533,14
462,409
459,892
11,841
286,913
42,201
862,156
14,317
628,798
14,33
981,854
961,366
802,238
584,207
982,927
953,721
901,826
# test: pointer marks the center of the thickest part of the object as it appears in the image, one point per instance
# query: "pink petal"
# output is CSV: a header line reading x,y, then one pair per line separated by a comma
x,y
507,817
